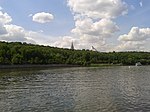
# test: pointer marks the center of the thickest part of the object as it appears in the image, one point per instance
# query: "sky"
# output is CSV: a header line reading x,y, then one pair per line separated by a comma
x,y
108,25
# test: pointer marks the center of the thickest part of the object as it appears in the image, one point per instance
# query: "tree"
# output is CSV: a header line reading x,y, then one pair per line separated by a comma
x,y
17,59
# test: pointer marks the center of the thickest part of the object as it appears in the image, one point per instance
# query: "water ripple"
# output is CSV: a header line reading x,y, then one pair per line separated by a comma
x,y
108,89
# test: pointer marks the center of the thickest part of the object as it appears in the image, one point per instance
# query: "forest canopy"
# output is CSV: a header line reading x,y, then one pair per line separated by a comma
x,y
22,53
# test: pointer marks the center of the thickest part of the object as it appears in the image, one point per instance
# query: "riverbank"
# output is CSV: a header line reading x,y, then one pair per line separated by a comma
x,y
36,66
56,66
101,65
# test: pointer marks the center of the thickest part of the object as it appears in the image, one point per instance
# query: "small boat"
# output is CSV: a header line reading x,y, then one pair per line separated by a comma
x,y
138,64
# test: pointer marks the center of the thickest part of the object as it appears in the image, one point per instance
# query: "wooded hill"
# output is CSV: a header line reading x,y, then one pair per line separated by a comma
x,y
23,53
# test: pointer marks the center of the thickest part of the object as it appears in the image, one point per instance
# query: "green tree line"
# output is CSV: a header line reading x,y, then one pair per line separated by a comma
x,y
23,53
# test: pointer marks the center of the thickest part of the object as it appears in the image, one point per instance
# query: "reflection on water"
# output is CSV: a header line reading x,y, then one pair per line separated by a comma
x,y
108,89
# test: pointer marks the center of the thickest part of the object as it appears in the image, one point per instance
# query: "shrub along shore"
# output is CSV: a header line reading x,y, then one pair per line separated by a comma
x,y
36,66
17,54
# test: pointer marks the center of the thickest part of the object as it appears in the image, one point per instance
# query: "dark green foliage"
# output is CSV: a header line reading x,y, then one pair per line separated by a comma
x,y
22,53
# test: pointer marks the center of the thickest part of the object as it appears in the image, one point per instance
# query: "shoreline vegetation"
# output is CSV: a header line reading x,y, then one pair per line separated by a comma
x,y
20,55
56,66
53,66
104,65
36,66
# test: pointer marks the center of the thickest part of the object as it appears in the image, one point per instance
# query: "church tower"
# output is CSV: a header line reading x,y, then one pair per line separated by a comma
x,y
72,46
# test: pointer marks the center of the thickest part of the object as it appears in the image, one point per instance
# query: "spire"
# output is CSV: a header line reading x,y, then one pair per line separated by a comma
x,y
93,48
72,46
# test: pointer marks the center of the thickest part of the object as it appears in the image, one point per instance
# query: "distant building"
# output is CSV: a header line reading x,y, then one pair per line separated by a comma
x,y
72,46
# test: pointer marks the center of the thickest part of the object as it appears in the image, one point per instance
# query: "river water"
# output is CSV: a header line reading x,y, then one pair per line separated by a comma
x,y
104,89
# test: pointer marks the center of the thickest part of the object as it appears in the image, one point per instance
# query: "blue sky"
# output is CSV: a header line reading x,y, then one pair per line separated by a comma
x,y
136,17
123,25
20,10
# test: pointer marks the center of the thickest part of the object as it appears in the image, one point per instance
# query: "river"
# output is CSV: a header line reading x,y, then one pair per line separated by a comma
x,y
80,89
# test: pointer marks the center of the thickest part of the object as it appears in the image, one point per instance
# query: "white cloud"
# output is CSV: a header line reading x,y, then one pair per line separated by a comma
x,y
64,42
87,41
2,30
41,31
93,22
30,15
10,32
93,25
19,34
14,33
1,8
136,34
4,18
82,43
38,38
103,28
88,33
43,17
141,4
98,8
134,40
131,46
